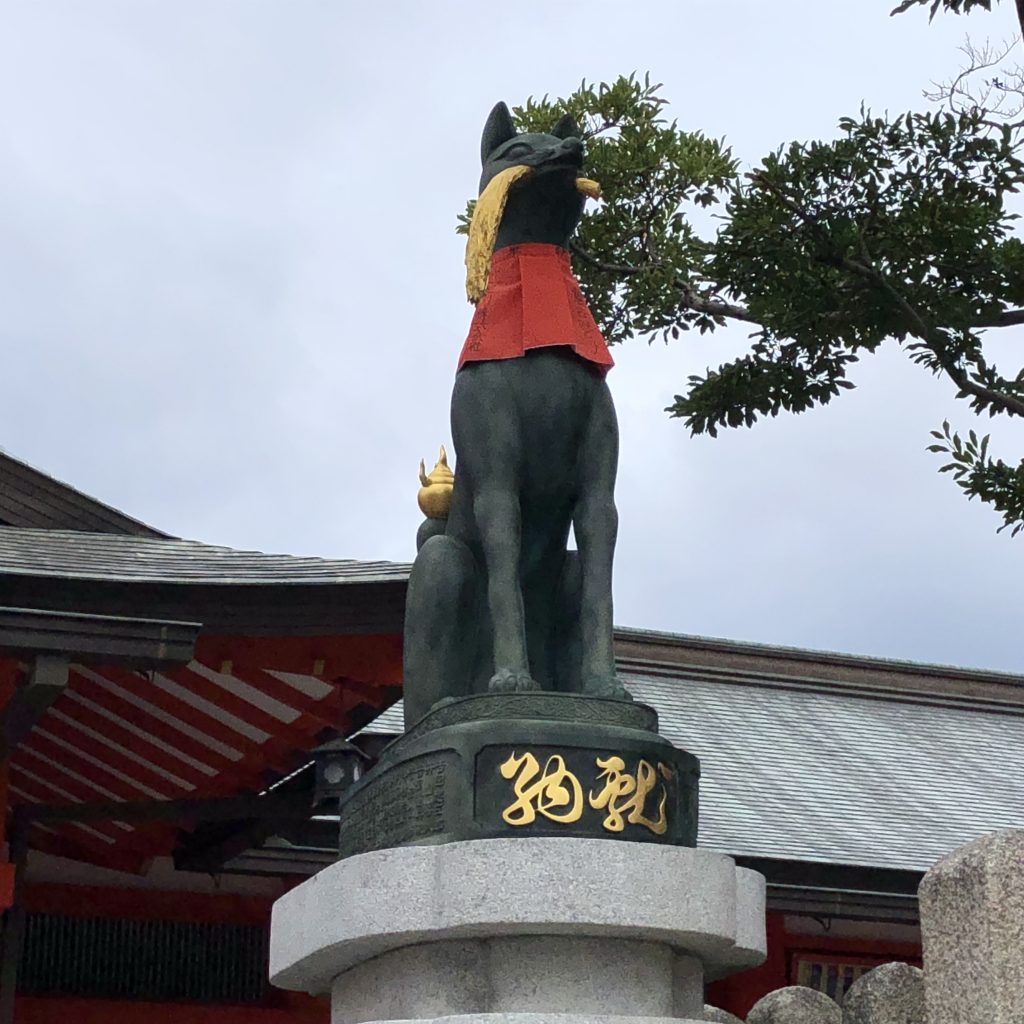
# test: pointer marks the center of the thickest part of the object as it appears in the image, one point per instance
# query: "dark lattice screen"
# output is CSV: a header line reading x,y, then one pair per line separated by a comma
x,y
154,960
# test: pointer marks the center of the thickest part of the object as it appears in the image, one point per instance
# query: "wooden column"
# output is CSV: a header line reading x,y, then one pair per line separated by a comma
x,y
47,677
14,920
9,672
9,878
23,706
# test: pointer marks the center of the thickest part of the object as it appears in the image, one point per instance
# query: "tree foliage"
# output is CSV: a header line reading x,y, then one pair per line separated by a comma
x,y
898,228
951,6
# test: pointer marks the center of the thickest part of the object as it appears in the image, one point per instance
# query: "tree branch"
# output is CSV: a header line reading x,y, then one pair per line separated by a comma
x,y
916,324
623,269
1006,318
713,307
690,298
990,95
1009,403
799,212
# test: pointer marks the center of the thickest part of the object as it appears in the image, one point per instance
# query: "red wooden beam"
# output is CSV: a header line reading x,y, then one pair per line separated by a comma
x,y
7,872
80,847
110,701
171,705
134,750
28,791
371,659
63,787
155,785
227,701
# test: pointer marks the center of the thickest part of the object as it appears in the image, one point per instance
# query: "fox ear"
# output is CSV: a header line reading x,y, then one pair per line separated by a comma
x,y
566,128
499,129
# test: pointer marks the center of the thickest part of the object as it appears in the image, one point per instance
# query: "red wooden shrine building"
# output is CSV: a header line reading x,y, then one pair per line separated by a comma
x,y
160,700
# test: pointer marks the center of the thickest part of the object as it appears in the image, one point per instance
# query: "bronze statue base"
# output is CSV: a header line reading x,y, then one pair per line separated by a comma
x,y
525,764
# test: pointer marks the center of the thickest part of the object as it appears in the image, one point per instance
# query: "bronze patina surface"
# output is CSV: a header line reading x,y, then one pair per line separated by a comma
x,y
526,764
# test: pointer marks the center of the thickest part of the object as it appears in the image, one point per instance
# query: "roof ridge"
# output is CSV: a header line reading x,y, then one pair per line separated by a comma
x,y
814,654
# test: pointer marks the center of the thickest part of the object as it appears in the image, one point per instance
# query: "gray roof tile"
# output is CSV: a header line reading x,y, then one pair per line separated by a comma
x,y
108,557
836,778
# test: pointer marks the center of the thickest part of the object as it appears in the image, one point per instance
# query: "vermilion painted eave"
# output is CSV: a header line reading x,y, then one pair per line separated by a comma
x,y
363,672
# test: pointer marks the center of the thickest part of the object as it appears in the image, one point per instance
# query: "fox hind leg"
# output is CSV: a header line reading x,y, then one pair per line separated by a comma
x,y
441,629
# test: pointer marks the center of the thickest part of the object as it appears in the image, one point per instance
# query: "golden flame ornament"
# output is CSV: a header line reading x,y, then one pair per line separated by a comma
x,y
487,214
435,496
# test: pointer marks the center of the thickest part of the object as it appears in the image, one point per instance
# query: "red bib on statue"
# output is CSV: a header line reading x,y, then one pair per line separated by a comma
x,y
533,300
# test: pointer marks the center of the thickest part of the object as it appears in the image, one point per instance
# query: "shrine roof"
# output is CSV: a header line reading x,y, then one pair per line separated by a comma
x,y
841,778
288,652
240,715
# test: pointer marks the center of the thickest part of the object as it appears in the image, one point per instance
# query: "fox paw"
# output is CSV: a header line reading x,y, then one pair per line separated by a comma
x,y
606,686
505,680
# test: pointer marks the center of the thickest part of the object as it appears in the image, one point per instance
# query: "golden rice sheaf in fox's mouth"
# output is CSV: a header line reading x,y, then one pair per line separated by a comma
x,y
487,214
570,168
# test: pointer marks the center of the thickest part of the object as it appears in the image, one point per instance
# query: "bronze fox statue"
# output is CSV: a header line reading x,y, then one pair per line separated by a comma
x,y
496,601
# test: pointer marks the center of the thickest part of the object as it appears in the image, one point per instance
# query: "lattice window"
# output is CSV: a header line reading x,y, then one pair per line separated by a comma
x,y
169,961
833,976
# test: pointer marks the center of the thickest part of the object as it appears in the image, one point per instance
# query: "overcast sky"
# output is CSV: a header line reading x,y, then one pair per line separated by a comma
x,y
232,298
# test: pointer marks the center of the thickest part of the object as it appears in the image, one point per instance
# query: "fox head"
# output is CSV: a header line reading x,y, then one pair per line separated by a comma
x,y
544,206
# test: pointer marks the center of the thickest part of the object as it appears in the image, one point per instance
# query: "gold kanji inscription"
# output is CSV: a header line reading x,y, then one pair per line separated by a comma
x,y
554,792
624,796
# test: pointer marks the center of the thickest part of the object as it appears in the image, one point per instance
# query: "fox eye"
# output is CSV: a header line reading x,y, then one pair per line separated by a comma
x,y
520,149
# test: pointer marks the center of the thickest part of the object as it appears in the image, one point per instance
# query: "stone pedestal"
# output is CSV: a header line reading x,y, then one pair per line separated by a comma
x,y
523,930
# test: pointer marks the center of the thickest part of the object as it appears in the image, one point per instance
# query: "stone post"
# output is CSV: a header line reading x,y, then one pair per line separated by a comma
x,y
795,1005
890,994
717,1016
972,926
